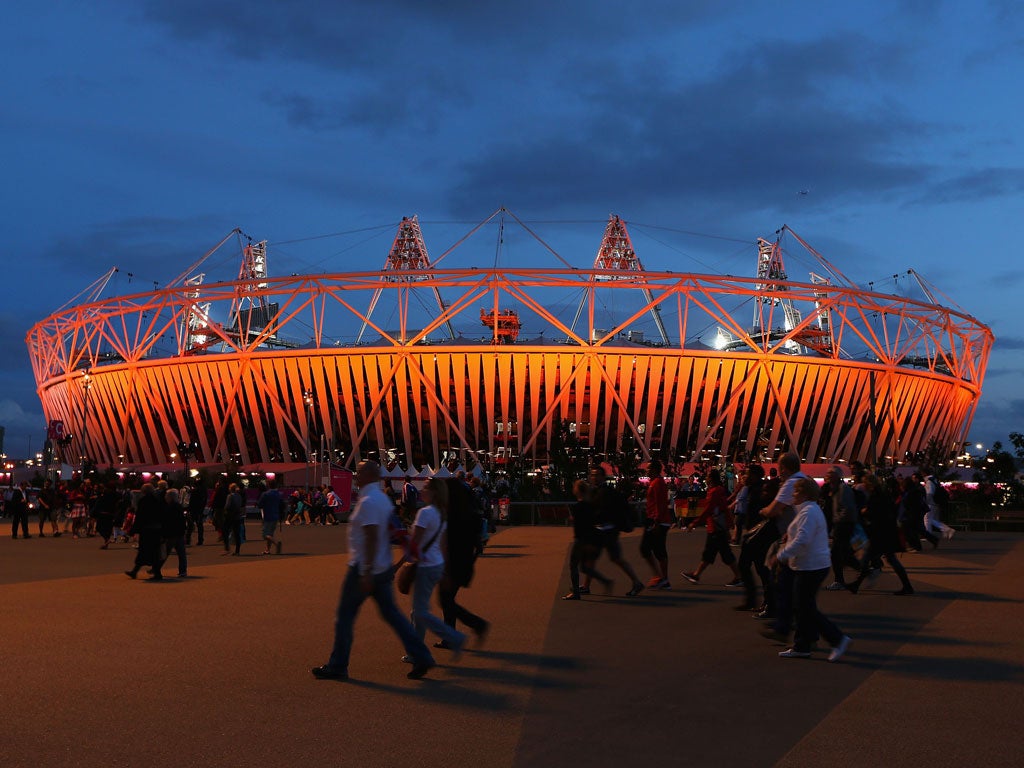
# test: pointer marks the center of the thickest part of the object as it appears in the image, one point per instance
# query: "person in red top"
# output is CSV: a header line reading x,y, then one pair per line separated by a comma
x,y
652,545
717,516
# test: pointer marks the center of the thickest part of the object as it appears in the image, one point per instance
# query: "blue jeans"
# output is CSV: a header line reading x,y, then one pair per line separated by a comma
x,y
352,598
422,619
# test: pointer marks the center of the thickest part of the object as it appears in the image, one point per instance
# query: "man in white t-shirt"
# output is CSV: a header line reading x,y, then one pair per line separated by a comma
x,y
370,575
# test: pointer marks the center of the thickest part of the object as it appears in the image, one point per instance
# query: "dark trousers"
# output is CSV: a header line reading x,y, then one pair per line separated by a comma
x,y
842,552
784,580
148,552
581,558
810,622
195,523
453,612
233,527
875,553
752,554
19,518
352,599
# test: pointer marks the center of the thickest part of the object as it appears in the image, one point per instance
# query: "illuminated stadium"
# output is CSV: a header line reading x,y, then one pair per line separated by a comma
x,y
427,362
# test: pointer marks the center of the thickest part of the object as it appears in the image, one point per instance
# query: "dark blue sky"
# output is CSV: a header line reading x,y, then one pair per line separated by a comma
x,y
137,134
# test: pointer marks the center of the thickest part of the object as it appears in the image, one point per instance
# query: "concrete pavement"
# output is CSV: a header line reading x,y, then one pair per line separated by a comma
x,y
214,670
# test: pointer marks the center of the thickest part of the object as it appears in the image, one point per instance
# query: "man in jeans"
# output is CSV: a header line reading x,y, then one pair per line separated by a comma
x,y
369,575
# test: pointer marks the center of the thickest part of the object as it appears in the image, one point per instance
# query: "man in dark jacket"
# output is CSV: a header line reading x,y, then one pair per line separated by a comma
x,y
17,508
463,538
149,517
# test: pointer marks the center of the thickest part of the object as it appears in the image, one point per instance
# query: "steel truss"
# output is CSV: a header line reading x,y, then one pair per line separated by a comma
x,y
417,391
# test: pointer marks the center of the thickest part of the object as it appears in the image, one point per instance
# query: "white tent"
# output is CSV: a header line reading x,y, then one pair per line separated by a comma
x,y
442,472
396,471
461,468
477,471
425,471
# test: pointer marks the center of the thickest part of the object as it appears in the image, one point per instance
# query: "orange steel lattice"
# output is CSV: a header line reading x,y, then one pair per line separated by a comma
x,y
896,374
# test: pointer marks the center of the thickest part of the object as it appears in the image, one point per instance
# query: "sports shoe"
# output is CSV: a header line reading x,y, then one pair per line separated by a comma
x,y
735,583
774,634
571,596
793,653
691,577
638,587
584,590
653,582
873,577
329,673
420,670
457,649
948,534
763,614
836,586
840,649
663,584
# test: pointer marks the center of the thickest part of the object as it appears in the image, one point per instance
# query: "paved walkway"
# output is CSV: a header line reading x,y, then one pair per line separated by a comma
x,y
214,670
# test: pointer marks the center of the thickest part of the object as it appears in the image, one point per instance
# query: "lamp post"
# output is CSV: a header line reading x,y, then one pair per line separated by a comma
x,y
307,398
187,450
86,386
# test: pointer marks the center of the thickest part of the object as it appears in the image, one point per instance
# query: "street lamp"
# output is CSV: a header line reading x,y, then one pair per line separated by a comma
x,y
187,450
307,398
86,386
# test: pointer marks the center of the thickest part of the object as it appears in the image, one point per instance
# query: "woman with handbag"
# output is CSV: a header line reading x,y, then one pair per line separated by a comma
x,y
426,556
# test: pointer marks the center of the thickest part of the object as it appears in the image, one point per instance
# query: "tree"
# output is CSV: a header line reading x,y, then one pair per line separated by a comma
x,y
998,470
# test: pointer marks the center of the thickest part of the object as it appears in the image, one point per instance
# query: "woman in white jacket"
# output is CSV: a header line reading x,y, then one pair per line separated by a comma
x,y
804,549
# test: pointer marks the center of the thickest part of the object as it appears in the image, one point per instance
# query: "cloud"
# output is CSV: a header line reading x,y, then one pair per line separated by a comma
x,y
981,184
1006,343
995,419
748,134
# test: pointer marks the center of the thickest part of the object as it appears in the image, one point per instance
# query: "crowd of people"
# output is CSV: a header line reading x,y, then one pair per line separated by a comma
x,y
789,532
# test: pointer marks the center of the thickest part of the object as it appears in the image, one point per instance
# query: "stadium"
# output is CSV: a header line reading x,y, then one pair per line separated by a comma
x,y
426,363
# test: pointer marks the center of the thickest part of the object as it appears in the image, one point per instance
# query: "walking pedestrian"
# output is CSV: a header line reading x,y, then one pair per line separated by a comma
x,y
586,545
613,517
269,504
804,551
657,524
427,550
370,574
717,519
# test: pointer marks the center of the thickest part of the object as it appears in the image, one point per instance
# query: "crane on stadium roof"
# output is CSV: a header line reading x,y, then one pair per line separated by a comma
x,y
408,255
616,253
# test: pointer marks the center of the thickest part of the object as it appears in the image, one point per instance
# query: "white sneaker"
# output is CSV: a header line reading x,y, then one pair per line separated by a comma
x,y
792,653
840,649
835,586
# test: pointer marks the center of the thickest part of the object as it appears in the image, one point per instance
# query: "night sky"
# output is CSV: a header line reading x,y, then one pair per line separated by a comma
x,y
138,134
